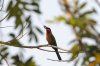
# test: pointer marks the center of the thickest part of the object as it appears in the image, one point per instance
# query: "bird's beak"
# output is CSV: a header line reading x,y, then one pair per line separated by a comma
x,y
45,27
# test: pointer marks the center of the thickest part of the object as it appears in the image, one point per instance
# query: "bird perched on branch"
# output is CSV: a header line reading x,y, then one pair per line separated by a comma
x,y
51,40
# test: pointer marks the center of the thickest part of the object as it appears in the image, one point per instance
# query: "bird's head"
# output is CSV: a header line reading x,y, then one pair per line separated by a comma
x,y
48,30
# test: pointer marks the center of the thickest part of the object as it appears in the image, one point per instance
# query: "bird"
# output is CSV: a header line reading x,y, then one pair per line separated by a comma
x,y
51,40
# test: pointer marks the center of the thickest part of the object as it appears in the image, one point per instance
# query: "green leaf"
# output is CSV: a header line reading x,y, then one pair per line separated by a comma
x,y
35,4
5,55
12,35
39,30
18,22
17,61
72,41
73,57
3,49
60,18
9,6
76,2
37,11
28,18
35,36
24,3
88,12
92,22
32,35
92,48
30,62
14,11
73,21
82,6
75,51
14,41
27,9
86,59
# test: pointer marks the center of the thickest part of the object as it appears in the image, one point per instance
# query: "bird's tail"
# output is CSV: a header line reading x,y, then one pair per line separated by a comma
x,y
57,53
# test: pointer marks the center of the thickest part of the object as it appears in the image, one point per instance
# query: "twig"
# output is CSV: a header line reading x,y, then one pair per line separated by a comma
x,y
38,47
22,32
7,26
2,5
4,17
51,51
21,36
43,46
4,59
33,46
59,60
97,2
57,47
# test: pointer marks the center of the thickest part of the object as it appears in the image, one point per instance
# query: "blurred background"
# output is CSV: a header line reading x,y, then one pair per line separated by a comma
x,y
74,23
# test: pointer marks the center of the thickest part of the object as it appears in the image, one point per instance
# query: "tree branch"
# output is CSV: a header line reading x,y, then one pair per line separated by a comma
x,y
38,47
52,51
58,60
47,45
6,26
4,17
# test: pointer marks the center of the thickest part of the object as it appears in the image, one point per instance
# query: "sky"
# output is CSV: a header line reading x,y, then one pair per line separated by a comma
x,y
63,34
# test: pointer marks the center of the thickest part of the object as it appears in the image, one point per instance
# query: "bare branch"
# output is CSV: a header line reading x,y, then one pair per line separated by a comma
x,y
4,17
34,46
59,60
57,47
47,45
51,51
7,26
38,47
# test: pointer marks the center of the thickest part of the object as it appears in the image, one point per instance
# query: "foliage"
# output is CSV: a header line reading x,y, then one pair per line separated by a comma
x,y
17,9
19,62
83,28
